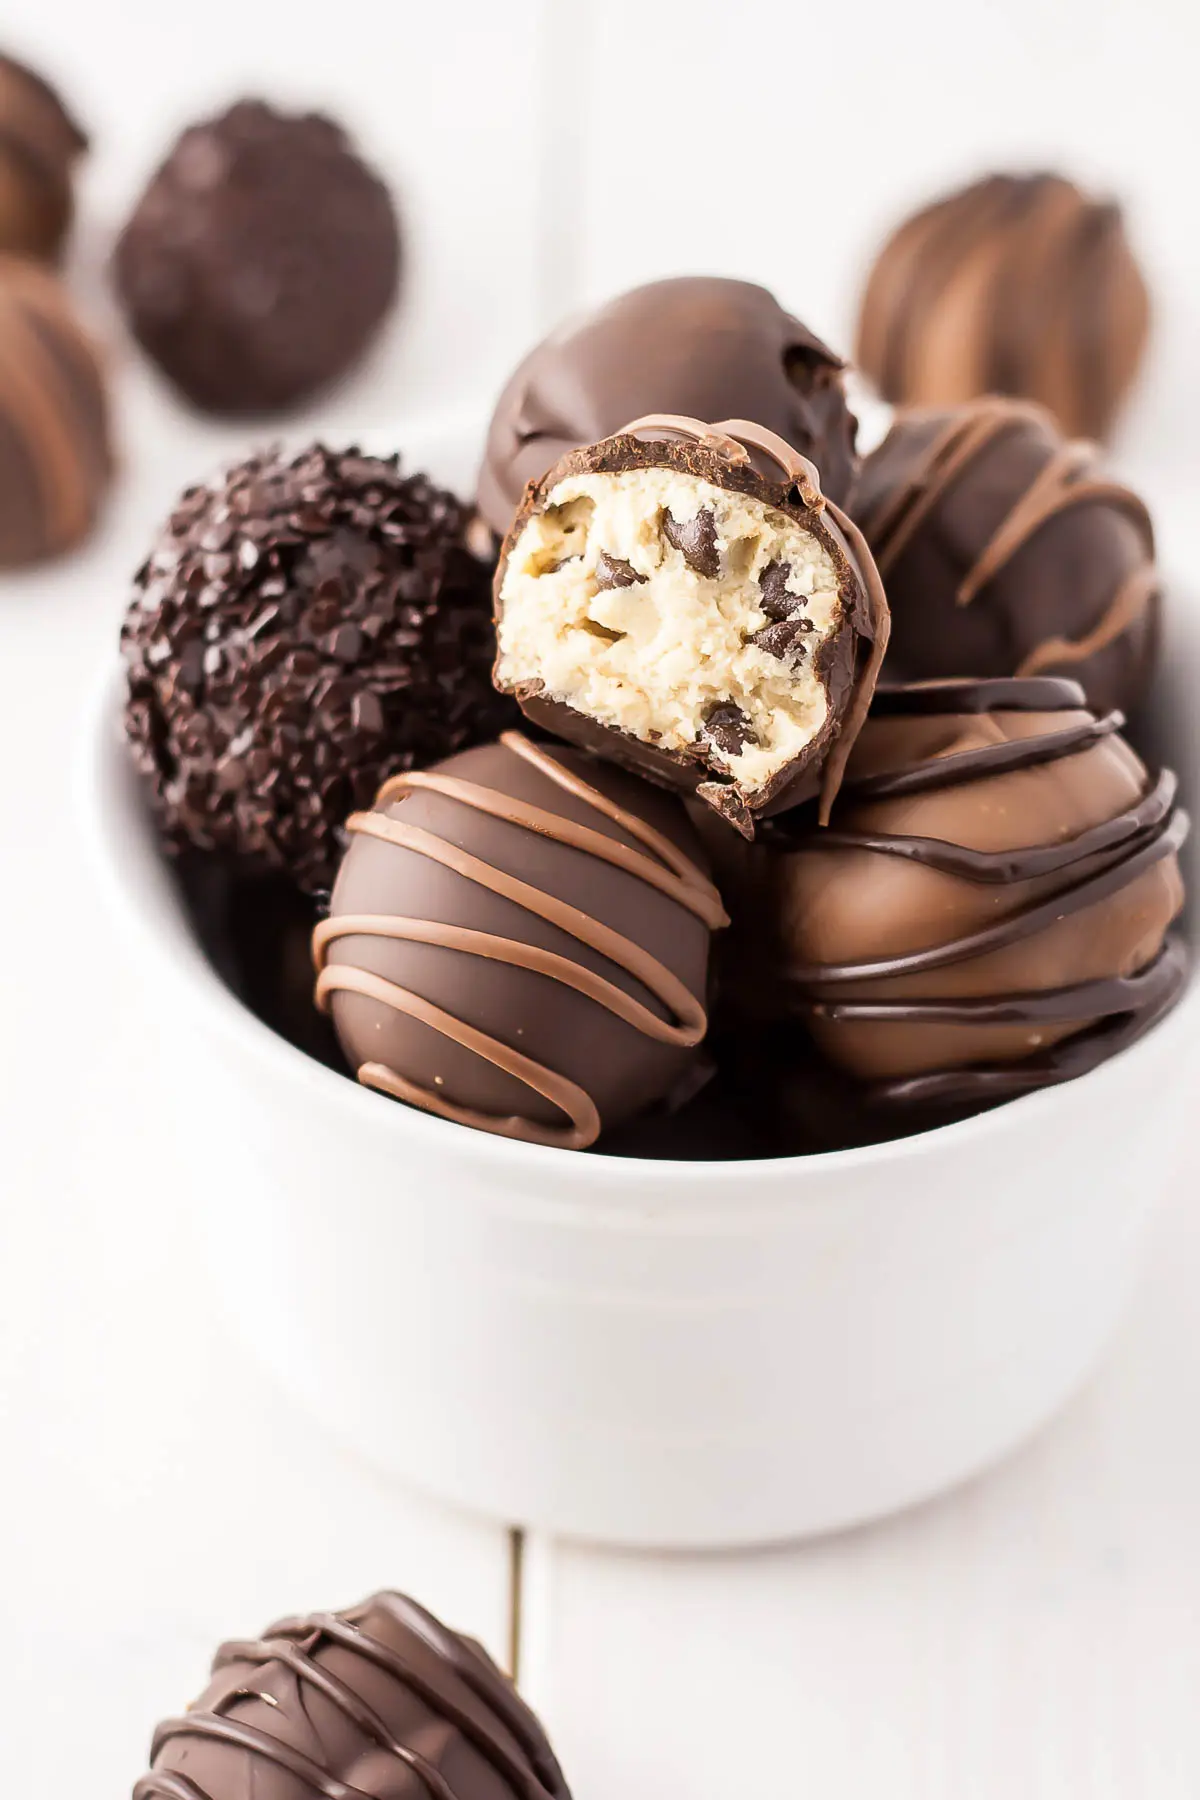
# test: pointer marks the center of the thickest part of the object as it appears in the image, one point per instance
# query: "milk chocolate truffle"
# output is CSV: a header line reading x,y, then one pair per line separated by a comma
x,y
380,1702
302,629
55,453
1007,551
261,260
683,599
518,941
703,346
39,145
1018,285
991,910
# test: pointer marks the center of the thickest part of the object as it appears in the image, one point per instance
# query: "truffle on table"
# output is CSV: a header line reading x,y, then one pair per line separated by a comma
x,y
380,1702
1019,285
1006,550
683,599
302,629
261,260
55,451
702,346
40,144
518,941
992,909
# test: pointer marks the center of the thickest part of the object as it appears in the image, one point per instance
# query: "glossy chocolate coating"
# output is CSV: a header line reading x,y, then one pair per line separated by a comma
x,y
377,1703
1019,285
261,260
39,145
1007,551
55,453
699,345
742,458
518,940
991,909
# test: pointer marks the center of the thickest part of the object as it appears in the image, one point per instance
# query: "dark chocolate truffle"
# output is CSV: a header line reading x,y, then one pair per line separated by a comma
x,y
301,630
380,1702
1007,551
683,599
519,942
55,453
261,260
1017,285
991,910
699,345
39,146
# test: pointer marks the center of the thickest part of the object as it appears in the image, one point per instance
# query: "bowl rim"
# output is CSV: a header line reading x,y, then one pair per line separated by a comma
x,y
181,959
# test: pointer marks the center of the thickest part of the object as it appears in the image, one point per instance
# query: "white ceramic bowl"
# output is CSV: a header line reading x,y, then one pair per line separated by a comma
x,y
652,1353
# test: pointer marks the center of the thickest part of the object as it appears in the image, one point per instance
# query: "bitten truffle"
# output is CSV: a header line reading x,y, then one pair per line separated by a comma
x,y
991,910
380,1702
301,630
518,941
1019,285
1006,550
40,144
683,599
55,451
702,346
261,260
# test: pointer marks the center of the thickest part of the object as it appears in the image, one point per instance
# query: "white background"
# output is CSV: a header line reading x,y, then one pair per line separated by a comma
x,y
1037,1635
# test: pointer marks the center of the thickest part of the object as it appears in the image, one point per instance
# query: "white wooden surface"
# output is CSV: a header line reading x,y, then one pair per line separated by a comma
x,y
1037,1635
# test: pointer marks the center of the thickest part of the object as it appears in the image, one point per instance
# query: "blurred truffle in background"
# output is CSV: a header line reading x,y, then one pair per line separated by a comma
x,y
39,145
261,260
55,451
1018,284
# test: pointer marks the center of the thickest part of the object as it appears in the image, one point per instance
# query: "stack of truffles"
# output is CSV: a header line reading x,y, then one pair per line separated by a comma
x,y
704,792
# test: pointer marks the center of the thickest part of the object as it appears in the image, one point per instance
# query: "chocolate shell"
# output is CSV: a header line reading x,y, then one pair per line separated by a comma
x,y
1019,285
40,144
56,456
1007,551
683,600
698,345
991,910
518,941
380,1702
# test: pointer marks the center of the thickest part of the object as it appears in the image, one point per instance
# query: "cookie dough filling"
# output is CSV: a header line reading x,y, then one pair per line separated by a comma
x,y
683,614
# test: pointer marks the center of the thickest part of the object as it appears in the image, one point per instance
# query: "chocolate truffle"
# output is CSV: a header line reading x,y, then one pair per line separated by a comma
x,y
699,345
261,260
55,454
991,910
380,1702
1017,285
519,941
1007,551
301,630
683,599
39,146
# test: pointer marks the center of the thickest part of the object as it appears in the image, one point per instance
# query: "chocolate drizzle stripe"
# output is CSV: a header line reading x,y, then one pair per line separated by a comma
x,y
683,882
564,1094
1135,594
730,438
984,1084
994,759
1051,489
291,1656
1086,1000
809,983
489,1689
879,633
689,1030
167,1785
931,699
1022,864
258,1743
42,400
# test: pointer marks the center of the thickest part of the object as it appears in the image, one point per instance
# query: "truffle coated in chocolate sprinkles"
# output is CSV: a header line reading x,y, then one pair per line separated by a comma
x,y
301,631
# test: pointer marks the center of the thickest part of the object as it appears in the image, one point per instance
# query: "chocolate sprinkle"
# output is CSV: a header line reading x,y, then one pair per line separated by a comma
x,y
301,631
